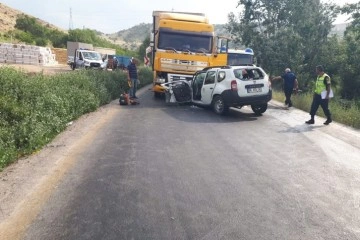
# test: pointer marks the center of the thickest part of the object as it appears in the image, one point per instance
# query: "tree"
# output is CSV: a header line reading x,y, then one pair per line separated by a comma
x,y
25,23
78,35
142,49
23,36
283,33
350,72
41,42
58,38
30,25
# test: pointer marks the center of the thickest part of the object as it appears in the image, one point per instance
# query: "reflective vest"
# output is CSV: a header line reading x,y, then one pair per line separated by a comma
x,y
320,84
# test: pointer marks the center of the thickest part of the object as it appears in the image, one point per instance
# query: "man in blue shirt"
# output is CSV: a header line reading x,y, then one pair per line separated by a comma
x,y
290,83
132,77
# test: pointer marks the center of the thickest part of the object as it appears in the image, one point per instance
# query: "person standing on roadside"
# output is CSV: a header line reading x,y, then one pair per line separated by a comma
x,y
321,95
290,83
132,78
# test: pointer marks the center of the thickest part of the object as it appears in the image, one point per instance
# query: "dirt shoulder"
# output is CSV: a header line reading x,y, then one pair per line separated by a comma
x,y
47,70
19,179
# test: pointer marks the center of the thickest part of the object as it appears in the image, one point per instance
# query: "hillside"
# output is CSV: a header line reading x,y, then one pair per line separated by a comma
x,y
7,18
133,37
130,38
9,15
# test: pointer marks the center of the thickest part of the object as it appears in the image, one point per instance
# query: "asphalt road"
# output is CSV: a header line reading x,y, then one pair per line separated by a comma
x,y
153,171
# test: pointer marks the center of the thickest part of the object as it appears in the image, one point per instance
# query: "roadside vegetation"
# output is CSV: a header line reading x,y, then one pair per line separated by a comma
x,y
343,111
35,108
296,34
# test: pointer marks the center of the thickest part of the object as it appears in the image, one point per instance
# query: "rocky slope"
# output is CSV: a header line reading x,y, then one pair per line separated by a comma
x,y
9,15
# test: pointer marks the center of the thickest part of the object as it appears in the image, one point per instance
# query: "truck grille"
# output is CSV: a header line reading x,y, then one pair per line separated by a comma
x,y
95,65
176,77
181,65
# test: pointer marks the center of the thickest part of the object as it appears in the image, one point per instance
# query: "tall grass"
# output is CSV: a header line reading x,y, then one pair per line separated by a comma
x,y
345,112
35,108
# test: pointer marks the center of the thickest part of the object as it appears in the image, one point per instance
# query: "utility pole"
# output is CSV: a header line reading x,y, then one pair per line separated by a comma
x,y
71,21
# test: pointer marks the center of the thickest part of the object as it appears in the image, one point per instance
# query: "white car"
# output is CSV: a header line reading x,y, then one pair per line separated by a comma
x,y
224,87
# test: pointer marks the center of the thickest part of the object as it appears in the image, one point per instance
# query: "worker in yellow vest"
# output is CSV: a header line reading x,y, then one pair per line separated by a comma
x,y
321,95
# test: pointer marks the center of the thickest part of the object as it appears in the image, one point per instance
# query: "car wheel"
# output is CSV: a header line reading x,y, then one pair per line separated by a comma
x,y
219,106
259,109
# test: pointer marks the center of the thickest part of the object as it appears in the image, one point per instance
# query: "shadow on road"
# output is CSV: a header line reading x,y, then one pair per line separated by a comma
x,y
187,112
301,128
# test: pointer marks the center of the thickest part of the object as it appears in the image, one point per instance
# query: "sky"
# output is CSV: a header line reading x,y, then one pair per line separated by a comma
x,y
111,16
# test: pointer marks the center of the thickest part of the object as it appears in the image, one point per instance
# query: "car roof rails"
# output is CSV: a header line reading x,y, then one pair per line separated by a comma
x,y
244,65
222,67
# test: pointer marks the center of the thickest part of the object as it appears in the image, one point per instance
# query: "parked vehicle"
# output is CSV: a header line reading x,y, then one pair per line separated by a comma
x,y
122,61
240,57
224,87
110,61
87,59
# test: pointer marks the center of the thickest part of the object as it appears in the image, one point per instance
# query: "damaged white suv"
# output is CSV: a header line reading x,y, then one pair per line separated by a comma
x,y
224,87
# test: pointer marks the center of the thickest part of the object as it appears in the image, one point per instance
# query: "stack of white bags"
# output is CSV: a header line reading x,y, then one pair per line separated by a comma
x,y
26,54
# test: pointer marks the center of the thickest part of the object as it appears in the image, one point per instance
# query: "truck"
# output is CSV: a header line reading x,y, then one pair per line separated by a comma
x,y
122,61
234,56
181,43
240,57
87,59
82,55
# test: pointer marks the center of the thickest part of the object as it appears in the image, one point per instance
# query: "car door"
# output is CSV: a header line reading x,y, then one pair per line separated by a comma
x,y
208,87
79,59
196,85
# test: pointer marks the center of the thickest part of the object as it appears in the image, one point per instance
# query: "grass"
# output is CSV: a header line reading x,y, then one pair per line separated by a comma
x,y
343,111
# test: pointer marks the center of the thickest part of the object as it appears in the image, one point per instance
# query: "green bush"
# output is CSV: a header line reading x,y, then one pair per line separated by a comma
x,y
35,108
145,76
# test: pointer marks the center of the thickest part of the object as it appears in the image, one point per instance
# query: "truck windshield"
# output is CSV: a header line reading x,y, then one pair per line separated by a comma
x,y
183,41
238,59
92,55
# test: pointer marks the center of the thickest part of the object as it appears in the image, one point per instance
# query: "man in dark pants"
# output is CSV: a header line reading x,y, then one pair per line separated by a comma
x,y
290,83
321,96
132,77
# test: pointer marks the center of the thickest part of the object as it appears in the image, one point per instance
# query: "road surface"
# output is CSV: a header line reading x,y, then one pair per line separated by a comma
x,y
154,171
